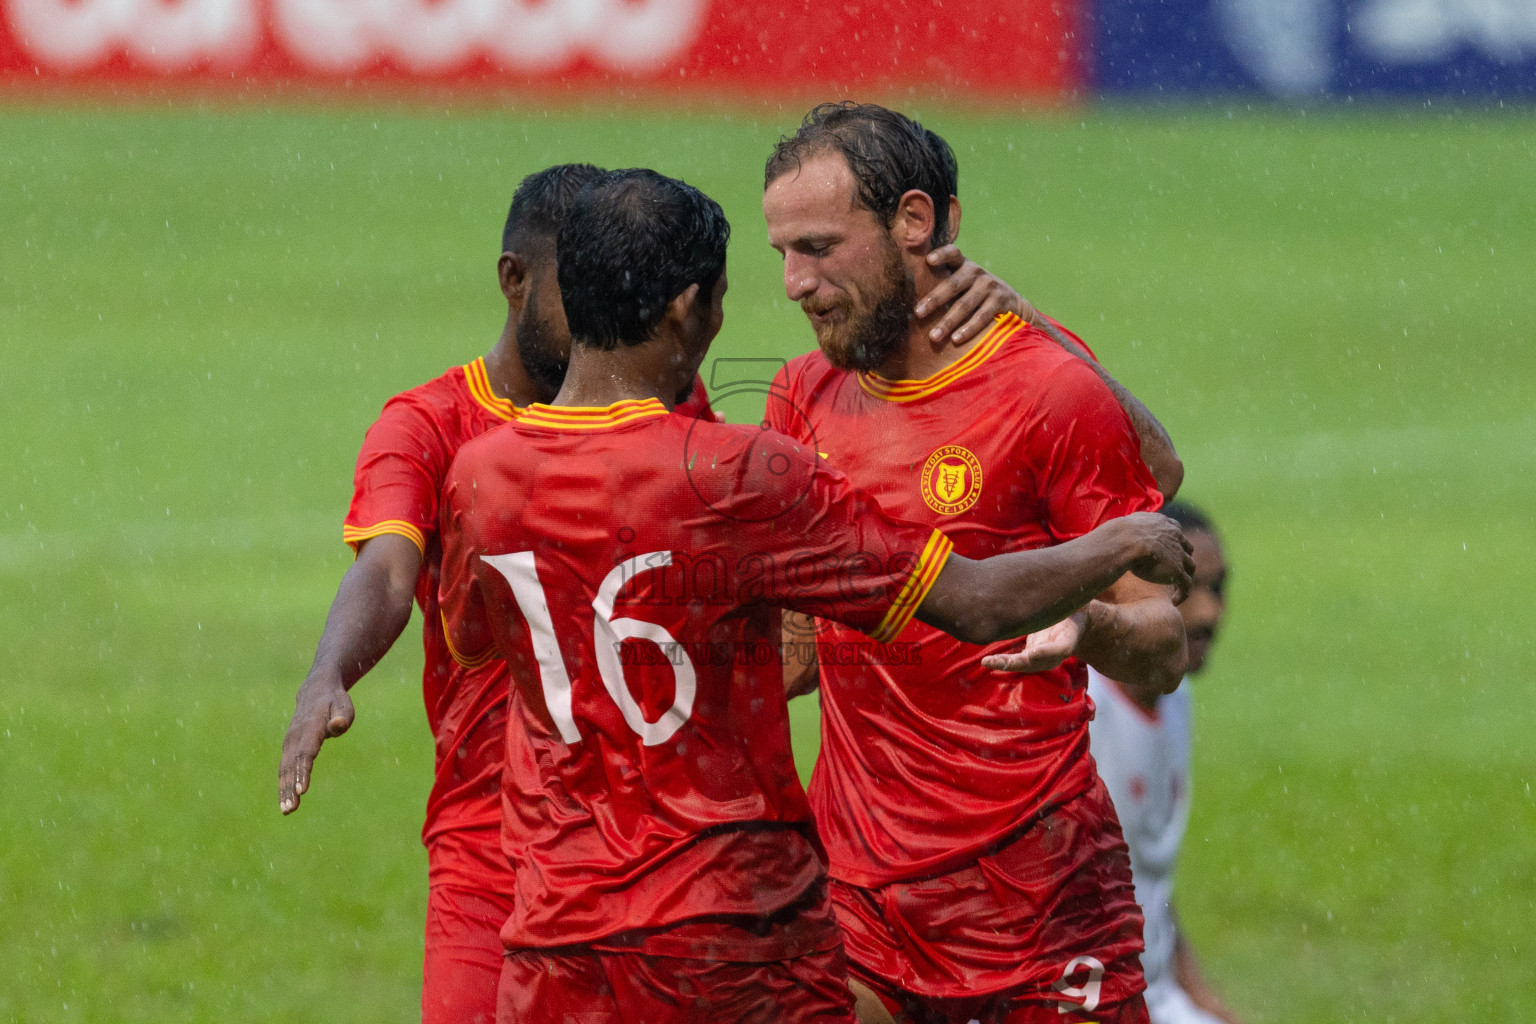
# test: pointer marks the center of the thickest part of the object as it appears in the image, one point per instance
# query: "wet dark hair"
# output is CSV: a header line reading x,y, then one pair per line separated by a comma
x,y
633,241
540,204
889,154
1190,518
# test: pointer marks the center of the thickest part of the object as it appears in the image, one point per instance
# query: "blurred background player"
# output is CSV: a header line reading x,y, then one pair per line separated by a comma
x,y
976,865
1141,743
628,565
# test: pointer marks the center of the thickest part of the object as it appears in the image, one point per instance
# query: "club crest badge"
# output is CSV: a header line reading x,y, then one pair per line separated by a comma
x,y
951,480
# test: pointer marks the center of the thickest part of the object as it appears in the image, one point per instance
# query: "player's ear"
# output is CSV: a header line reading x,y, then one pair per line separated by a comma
x,y
512,271
912,226
684,308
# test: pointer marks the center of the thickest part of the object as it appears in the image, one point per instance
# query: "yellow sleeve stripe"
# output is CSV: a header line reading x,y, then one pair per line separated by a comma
x,y
479,383
1003,328
355,535
928,567
489,654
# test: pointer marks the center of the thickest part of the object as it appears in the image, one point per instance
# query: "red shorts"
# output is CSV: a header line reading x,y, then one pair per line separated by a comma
x,y
571,986
465,912
1048,920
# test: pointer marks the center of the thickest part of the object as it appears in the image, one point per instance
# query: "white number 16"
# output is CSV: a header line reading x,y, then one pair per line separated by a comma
x,y
608,634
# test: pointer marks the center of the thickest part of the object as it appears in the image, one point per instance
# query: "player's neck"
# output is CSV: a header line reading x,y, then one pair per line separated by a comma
x,y
920,356
505,371
597,378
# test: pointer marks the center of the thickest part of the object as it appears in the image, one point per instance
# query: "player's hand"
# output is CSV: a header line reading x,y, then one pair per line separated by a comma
x,y
1044,650
324,710
974,297
1169,558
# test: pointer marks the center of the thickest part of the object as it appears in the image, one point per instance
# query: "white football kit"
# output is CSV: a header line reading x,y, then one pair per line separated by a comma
x,y
1144,762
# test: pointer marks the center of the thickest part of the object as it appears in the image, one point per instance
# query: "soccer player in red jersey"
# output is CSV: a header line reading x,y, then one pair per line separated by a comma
x,y
392,525
978,868
631,567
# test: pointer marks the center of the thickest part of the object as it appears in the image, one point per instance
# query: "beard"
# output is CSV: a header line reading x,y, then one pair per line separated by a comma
x,y
539,357
867,337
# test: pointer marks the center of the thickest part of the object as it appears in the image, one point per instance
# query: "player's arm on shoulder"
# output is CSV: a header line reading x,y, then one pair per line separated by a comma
x,y
982,601
371,608
1157,449
970,298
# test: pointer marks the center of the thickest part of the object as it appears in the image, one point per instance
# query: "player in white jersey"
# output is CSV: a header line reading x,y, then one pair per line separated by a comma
x,y
1142,750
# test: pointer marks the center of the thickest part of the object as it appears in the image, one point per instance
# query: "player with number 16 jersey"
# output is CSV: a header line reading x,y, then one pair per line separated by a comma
x,y
582,547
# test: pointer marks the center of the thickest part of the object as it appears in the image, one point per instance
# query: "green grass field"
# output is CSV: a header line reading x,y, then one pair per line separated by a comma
x,y
201,309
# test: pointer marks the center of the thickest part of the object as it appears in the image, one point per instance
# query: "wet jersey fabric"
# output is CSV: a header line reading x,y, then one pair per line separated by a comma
x,y
928,759
397,484
1047,920
544,987
462,959
631,566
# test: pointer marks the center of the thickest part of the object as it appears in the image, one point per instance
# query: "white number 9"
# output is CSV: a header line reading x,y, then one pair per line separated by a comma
x,y
1088,994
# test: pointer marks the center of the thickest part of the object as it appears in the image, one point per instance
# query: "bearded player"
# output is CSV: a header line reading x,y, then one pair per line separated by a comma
x,y
978,869
392,525
631,567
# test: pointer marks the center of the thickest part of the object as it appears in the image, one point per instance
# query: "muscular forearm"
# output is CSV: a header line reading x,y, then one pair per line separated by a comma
x,y
982,602
1140,644
371,609
1157,449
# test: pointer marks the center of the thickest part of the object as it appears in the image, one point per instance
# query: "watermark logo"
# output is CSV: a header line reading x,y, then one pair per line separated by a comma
x,y
763,478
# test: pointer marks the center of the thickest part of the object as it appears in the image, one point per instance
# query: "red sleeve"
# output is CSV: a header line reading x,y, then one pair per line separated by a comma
x,y
399,474
696,406
466,624
813,542
1090,458
782,411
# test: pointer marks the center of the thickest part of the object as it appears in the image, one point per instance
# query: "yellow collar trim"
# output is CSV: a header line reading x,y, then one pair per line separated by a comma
x,y
1003,328
573,417
480,390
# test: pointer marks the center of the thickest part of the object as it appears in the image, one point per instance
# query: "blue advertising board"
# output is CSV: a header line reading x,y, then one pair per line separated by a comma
x,y
1297,48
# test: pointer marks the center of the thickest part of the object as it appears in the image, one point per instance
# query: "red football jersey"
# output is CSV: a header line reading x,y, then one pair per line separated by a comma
x,y
631,567
927,758
397,484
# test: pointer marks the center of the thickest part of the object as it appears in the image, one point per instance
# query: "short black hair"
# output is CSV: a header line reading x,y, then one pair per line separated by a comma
x,y
889,154
1190,518
633,241
540,204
